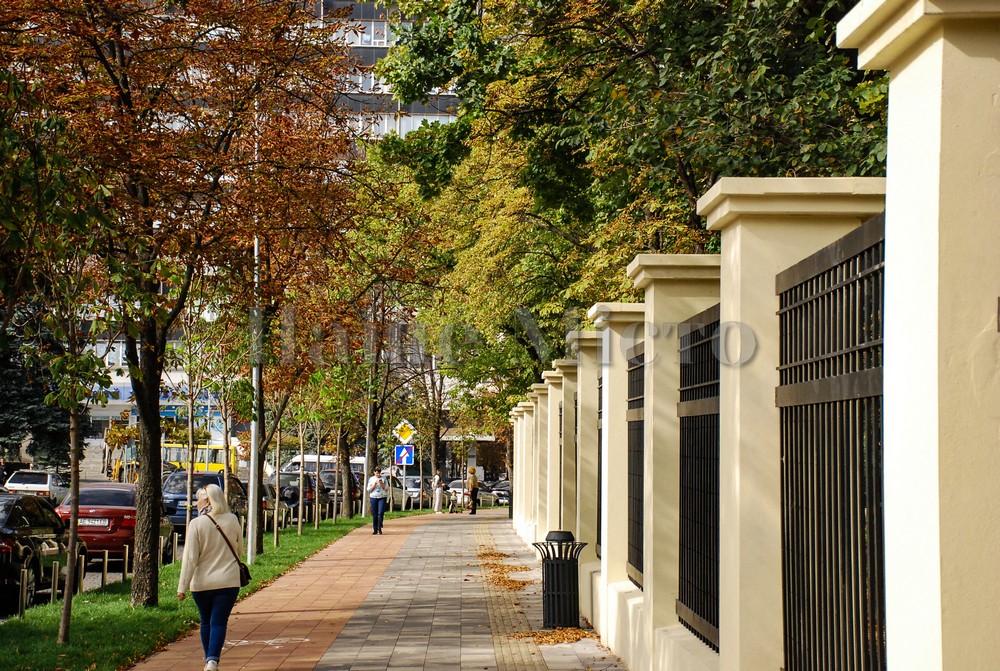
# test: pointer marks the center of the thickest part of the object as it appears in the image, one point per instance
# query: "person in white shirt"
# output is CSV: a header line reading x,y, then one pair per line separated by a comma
x,y
378,490
210,570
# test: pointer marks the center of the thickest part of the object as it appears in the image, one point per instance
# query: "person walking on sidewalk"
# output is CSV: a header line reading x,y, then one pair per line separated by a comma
x,y
209,569
438,486
472,484
378,490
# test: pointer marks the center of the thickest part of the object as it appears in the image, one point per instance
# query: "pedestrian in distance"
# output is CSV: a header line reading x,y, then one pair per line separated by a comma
x,y
378,490
472,484
438,486
210,569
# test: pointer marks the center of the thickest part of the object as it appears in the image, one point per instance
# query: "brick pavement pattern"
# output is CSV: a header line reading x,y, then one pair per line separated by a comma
x,y
411,599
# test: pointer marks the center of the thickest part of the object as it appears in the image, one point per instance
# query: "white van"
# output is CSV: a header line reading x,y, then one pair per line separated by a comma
x,y
326,461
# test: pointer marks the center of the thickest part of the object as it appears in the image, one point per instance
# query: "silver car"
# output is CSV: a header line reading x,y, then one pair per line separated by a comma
x,y
46,484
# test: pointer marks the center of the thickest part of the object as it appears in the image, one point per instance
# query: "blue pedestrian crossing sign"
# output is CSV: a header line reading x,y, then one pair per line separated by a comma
x,y
404,455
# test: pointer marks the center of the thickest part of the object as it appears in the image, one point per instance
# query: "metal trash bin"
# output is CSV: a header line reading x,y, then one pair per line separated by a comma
x,y
560,579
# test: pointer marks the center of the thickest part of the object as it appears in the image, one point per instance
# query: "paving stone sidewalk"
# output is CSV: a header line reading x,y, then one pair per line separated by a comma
x,y
417,597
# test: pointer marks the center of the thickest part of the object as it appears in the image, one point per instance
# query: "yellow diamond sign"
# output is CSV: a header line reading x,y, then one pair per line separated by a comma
x,y
405,432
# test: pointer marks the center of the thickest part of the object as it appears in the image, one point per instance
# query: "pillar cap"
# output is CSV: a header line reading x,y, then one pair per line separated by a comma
x,y
566,367
884,30
605,314
772,198
578,340
552,377
525,406
540,389
648,268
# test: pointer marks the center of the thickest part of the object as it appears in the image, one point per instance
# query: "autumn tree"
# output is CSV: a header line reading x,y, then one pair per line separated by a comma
x,y
588,130
210,122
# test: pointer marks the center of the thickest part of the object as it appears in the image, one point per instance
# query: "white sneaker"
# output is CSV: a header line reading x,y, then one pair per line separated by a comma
x,y
211,665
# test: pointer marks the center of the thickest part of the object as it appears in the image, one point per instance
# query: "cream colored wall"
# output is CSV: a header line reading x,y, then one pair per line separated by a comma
x,y
567,520
553,485
676,287
941,392
540,484
586,344
767,225
617,323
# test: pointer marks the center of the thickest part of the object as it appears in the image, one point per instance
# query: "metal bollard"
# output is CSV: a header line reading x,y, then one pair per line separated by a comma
x,y
22,600
81,572
125,564
54,592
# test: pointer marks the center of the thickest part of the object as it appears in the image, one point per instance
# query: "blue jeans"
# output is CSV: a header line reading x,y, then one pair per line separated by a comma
x,y
214,607
378,512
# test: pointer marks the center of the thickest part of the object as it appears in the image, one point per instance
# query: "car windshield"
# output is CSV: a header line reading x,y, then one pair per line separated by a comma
x,y
177,483
28,478
6,504
412,482
124,497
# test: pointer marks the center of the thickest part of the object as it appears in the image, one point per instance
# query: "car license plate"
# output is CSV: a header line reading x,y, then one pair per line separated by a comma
x,y
93,522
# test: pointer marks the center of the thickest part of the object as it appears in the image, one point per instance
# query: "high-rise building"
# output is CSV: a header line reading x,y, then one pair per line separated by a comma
x,y
373,99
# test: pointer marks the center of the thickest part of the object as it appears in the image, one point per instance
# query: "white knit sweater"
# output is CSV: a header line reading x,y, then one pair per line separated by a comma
x,y
207,562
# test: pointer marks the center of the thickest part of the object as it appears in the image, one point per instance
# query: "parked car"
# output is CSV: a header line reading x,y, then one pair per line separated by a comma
x,y
32,537
413,490
46,484
176,501
329,478
106,520
486,497
271,501
287,485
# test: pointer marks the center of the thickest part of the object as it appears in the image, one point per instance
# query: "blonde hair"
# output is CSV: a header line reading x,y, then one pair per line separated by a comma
x,y
472,470
216,498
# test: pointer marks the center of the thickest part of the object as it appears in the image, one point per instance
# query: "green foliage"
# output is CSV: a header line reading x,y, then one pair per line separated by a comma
x,y
593,129
24,414
430,152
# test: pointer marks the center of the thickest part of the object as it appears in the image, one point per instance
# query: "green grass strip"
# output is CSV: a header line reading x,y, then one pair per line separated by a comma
x,y
107,634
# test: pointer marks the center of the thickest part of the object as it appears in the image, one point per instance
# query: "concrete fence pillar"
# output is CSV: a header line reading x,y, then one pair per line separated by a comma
x,y
587,347
620,325
527,475
553,481
676,288
942,332
767,225
539,485
567,368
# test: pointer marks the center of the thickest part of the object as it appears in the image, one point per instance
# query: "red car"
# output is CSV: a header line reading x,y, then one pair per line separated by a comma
x,y
107,519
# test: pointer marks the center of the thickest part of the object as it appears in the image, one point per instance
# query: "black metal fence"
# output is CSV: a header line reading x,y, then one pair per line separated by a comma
x,y
831,450
636,457
600,461
698,411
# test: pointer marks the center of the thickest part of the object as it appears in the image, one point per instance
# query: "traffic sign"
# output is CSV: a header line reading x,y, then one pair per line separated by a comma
x,y
405,432
404,455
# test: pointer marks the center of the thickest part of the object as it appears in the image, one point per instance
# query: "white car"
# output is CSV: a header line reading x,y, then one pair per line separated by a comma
x,y
41,483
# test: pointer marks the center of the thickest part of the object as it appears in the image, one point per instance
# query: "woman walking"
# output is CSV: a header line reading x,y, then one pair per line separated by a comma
x,y
210,569
378,490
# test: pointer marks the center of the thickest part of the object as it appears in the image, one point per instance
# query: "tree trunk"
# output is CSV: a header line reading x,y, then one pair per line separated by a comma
x,y
74,497
148,495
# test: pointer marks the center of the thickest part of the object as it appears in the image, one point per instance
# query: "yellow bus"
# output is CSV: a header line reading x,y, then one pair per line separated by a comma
x,y
207,457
